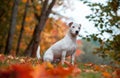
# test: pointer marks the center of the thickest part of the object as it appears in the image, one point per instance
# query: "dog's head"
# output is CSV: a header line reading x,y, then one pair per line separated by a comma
x,y
74,28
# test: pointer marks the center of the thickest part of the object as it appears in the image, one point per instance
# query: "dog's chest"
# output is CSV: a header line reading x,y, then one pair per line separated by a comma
x,y
70,45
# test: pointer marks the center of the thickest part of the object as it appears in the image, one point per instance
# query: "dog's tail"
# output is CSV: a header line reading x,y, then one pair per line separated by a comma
x,y
38,53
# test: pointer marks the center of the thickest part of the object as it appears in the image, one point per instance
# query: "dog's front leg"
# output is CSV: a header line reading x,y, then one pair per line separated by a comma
x,y
72,58
63,57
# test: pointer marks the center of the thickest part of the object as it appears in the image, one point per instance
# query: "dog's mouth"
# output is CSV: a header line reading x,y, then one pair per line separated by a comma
x,y
74,34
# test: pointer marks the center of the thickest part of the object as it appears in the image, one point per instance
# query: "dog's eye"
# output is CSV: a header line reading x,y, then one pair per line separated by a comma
x,y
78,27
73,26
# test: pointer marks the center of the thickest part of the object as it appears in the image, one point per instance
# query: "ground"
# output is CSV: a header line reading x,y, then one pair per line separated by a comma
x,y
24,67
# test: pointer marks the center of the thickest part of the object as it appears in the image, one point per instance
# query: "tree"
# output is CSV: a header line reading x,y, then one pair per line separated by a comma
x,y
32,47
106,20
22,28
5,9
12,27
32,20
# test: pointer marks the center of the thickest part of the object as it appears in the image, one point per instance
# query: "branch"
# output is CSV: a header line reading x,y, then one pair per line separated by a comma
x,y
44,10
50,8
56,13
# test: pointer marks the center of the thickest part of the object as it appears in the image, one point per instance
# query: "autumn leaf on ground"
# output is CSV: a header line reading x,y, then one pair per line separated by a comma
x,y
106,75
43,70
2,57
97,68
16,71
23,70
56,72
116,73
89,64
26,67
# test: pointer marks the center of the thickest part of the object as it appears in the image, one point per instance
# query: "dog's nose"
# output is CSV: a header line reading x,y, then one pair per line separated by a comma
x,y
76,32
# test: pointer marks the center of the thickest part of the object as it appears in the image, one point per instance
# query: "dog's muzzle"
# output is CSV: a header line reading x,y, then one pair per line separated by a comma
x,y
76,32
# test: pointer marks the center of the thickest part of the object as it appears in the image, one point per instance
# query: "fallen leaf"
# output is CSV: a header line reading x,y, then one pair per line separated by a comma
x,y
2,57
107,75
22,70
116,73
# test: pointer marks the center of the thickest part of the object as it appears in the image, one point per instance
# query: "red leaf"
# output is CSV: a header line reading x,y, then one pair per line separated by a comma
x,y
22,70
6,73
2,57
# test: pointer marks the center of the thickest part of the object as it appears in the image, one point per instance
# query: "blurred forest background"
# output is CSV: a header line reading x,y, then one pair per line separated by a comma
x,y
25,24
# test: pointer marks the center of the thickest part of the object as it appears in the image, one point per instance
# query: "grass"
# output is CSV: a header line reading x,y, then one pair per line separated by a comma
x,y
89,75
88,72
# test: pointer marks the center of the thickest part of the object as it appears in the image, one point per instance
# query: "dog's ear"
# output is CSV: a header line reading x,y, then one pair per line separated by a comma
x,y
70,24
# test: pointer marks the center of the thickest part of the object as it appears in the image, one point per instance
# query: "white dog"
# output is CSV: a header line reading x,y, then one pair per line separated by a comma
x,y
65,47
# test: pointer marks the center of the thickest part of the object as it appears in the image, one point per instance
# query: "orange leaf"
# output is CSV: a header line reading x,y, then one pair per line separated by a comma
x,y
106,75
38,7
28,19
89,64
24,1
97,68
40,71
54,32
76,71
43,71
49,65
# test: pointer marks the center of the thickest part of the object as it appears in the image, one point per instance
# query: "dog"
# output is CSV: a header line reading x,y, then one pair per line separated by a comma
x,y
65,47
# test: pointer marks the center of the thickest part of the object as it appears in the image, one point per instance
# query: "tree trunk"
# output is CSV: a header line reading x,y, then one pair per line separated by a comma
x,y
12,27
32,47
22,28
